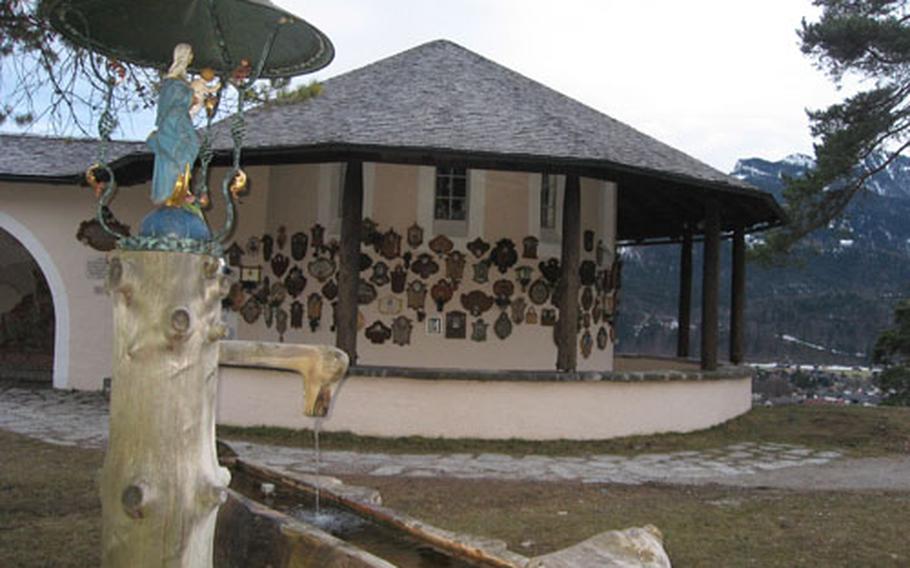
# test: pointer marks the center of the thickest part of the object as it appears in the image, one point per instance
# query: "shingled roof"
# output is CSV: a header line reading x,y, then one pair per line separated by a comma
x,y
30,157
440,102
442,96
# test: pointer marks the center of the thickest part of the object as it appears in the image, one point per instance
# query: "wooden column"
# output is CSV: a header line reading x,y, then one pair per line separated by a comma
x,y
349,261
738,296
710,283
685,295
567,291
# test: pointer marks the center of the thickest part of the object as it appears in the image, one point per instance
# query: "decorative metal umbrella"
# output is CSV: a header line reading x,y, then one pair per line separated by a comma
x,y
222,33
238,41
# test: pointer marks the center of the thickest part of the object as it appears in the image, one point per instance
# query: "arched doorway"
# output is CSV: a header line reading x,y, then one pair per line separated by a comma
x,y
34,312
26,316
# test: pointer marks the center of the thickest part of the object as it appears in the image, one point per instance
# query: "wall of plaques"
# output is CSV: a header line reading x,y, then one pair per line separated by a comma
x,y
425,300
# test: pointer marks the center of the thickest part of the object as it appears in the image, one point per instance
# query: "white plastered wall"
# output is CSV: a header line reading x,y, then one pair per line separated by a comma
x,y
485,409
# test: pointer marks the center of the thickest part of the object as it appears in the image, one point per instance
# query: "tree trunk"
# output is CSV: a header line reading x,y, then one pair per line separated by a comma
x,y
161,484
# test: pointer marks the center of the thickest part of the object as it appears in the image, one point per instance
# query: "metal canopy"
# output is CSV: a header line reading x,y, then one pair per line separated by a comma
x,y
222,32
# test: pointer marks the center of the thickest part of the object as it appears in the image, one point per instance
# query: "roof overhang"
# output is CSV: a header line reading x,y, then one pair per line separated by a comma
x,y
653,206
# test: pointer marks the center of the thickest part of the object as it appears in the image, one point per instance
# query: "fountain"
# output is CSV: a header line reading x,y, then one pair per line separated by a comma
x,y
327,513
163,489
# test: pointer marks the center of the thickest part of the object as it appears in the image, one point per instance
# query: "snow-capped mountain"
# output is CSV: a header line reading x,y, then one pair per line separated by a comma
x,y
840,294
892,181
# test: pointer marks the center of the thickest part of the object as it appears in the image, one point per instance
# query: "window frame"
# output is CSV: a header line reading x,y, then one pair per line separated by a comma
x,y
551,235
447,225
548,205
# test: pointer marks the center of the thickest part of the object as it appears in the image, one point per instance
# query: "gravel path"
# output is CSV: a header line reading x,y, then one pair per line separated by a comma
x,y
80,419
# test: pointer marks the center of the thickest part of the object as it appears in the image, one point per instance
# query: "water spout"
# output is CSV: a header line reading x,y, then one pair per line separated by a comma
x,y
321,367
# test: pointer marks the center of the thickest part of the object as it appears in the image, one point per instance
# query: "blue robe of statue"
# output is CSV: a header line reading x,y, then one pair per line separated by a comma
x,y
175,142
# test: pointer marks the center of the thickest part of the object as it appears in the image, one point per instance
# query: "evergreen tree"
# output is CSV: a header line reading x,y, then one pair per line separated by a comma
x,y
47,80
866,39
893,350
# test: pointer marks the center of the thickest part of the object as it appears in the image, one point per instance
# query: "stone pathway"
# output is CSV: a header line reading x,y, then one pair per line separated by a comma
x,y
675,467
68,418
80,419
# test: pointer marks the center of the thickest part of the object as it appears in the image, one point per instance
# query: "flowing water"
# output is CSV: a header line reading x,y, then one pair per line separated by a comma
x,y
316,427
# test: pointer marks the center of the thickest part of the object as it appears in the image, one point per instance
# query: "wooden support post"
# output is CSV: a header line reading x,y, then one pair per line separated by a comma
x,y
710,283
161,484
567,291
685,295
349,265
738,296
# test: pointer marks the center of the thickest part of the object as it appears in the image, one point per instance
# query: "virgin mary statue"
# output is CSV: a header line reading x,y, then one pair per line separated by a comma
x,y
174,142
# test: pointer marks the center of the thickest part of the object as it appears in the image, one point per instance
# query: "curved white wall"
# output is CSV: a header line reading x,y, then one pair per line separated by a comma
x,y
536,410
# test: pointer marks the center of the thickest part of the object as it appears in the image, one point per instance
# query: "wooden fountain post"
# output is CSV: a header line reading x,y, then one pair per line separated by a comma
x,y
161,484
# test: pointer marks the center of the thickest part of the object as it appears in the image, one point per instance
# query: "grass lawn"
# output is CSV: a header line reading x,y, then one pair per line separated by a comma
x,y
702,526
50,512
858,432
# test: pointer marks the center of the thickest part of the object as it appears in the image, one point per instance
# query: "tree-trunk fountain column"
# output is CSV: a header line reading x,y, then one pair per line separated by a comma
x,y
161,484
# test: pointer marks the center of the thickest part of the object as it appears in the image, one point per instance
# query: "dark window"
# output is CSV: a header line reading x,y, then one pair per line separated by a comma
x,y
451,203
548,202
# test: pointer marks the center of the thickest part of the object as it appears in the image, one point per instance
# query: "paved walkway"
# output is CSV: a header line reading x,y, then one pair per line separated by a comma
x,y
676,467
80,419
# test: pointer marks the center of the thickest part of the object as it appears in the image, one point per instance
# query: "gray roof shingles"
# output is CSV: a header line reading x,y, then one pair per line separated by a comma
x,y
442,96
29,156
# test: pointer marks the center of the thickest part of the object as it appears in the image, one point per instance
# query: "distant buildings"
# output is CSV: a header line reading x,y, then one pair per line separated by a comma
x,y
798,384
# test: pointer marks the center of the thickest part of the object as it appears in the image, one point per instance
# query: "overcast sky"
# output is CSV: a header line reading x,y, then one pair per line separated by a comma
x,y
718,79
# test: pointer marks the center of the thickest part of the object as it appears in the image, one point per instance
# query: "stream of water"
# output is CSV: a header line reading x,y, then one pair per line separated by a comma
x,y
316,427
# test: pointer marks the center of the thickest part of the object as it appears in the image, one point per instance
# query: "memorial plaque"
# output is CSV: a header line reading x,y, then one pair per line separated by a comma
x,y
299,244
415,235
503,326
96,268
456,323
401,330
479,330
378,332
478,247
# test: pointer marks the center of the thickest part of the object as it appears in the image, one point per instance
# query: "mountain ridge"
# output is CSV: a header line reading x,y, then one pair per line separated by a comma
x,y
836,298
